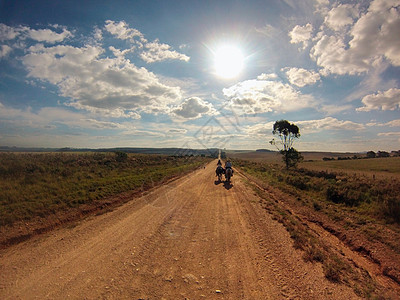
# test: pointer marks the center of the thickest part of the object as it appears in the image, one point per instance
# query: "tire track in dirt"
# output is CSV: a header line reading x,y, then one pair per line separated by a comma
x,y
193,238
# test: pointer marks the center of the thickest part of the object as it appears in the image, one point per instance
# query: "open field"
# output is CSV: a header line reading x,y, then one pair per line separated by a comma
x,y
384,168
193,238
34,186
362,211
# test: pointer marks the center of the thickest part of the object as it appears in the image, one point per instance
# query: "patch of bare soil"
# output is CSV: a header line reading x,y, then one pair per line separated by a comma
x,y
194,238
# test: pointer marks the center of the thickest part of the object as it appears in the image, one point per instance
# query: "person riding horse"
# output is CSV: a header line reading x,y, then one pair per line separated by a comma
x,y
228,170
220,170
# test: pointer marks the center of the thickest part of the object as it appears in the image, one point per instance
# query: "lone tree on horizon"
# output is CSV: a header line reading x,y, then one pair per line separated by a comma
x,y
287,133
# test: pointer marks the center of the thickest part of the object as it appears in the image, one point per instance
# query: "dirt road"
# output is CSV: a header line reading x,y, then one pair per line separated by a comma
x,y
191,239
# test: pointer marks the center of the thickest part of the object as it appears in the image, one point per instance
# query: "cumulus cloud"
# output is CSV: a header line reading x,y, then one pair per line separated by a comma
x,y
387,100
156,51
194,108
9,33
366,40
111,86
4,50
259,96
49,36
150,51
40,35
340,16
301,77
121,30
301,34
265,76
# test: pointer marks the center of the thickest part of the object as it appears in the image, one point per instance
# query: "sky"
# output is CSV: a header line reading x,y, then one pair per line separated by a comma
x,y
200,74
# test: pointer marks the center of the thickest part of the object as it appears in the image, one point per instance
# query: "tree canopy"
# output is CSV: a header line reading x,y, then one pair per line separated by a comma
x,y
287,133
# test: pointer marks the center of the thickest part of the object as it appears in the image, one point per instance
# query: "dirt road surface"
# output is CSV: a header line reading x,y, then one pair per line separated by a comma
x,y
193,238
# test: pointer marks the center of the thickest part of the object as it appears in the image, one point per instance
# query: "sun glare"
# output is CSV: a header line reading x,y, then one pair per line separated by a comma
x,y
228,61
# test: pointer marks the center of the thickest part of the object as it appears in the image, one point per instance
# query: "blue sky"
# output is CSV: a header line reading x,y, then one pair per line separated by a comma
x,y
152,73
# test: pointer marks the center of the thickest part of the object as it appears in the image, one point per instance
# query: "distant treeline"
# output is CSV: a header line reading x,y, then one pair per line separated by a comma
x,y
212,152
369,154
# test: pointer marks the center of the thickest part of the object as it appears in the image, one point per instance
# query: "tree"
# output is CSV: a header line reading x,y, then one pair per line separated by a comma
x,y
287,133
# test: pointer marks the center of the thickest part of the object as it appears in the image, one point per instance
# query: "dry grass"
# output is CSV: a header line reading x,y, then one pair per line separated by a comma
x,y
38,184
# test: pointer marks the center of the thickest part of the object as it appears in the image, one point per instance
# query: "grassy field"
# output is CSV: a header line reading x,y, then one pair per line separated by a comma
x,y
362,183
38,184
387,167
384,168
363,210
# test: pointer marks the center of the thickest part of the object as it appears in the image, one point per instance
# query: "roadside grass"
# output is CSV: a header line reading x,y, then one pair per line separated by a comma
x,y
358,202
366,198
335,268
38,184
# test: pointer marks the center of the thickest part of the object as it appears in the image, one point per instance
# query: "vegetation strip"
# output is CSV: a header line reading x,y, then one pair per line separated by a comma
x,y
337,268
39,190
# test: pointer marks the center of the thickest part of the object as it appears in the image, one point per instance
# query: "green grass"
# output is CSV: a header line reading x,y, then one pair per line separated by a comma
x,y
38,184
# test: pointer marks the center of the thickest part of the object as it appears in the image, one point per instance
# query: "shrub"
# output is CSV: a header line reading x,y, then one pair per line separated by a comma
x,y
121,156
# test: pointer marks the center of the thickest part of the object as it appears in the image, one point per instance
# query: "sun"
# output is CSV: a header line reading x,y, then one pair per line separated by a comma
x,y
228,61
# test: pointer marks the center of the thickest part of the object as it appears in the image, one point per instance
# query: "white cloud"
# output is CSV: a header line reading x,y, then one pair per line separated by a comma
x,y
364,43
193,108
389,134
4,50
301,77
103,124
9,33
258,96
340,16
387,100
265,76
150,51
328,123
394,123
301,34
98,34
309,126
260,129
331,54
111,86
160,52
40,35
49,36
122,31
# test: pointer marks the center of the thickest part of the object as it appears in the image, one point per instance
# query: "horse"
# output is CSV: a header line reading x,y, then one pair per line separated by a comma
x,y
219,171
228,174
